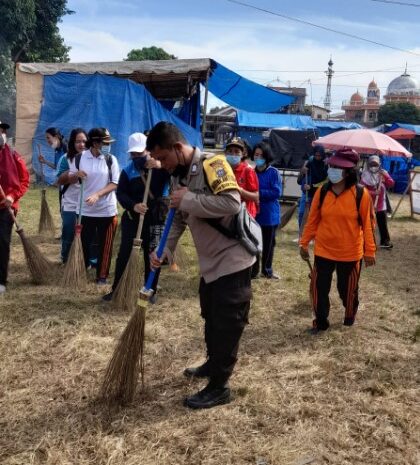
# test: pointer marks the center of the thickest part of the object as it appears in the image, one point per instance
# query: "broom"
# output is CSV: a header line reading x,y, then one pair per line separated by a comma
x,y
124,296
39,267
126,363
287,216
46,222
75,270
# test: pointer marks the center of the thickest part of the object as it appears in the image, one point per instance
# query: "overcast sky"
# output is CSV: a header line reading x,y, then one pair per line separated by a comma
x,y
260,46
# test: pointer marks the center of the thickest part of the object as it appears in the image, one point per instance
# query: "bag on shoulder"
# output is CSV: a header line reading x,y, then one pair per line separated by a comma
x,y
244,229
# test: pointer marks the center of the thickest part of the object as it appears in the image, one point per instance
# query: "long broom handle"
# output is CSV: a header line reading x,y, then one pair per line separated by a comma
x,y
161,247
145,197
41,165
378,193
79,217
12,215
402,197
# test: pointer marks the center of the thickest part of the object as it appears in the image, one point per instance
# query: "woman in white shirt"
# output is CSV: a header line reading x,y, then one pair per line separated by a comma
x,y
100,172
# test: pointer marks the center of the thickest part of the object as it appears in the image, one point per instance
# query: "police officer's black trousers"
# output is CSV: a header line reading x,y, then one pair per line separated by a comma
x,y
224,306
128,233
6,225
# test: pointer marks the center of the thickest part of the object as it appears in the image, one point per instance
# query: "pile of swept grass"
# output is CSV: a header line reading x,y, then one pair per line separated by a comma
x,y
348,397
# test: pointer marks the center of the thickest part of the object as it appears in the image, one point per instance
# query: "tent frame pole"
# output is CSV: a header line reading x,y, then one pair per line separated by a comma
x,y
206,96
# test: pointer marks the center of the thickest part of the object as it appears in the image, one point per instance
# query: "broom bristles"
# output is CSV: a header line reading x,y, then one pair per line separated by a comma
x,y
126,364
46,221
287,216
75,271
126,292
39,267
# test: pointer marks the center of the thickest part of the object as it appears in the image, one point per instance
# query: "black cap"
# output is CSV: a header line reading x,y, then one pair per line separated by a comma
x,y
4,126
100,135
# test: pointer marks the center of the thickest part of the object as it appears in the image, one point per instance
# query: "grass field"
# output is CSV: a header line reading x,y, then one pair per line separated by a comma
x,y
349,396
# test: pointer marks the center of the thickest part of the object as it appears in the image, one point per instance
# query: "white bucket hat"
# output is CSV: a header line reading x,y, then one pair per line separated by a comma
x,y
137,142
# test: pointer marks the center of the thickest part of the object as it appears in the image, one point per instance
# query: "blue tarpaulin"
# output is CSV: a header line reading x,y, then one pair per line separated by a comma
x,y
410,127
273,120
328,127
73,100
243,94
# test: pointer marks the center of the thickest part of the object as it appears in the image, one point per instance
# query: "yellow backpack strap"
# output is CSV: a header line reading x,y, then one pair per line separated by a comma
x,y
219,174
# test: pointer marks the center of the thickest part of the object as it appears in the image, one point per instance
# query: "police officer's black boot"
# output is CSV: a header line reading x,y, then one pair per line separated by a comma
x,y
211,396
202,371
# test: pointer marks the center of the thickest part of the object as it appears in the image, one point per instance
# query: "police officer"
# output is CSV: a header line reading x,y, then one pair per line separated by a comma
x,y
207,190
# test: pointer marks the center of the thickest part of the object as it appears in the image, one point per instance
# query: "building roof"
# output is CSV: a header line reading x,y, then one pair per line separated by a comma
x,y
356,97
404,85
163,78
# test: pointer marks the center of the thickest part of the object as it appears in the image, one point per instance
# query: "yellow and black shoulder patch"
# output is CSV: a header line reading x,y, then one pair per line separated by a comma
x,y
219,174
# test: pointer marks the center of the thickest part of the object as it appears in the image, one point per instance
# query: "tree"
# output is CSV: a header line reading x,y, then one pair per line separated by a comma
x,y
149,53
30,32
398,112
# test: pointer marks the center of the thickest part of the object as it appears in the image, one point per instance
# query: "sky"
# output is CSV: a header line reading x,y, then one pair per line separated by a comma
x,y
260,46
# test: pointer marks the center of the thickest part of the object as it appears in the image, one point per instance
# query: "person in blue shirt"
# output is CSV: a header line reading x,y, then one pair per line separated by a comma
x,y
268,216
57,142
130,192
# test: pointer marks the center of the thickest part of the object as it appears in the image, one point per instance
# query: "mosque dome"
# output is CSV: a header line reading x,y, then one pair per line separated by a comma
x,y
404,85
356,98
372,85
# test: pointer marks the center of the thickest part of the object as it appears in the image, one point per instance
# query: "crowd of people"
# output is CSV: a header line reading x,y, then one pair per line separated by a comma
x,y
207,189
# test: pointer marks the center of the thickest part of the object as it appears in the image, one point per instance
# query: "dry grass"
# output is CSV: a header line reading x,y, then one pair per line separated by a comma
x,y
349,397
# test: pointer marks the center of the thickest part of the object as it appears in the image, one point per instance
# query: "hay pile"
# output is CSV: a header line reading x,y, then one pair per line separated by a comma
x,y
349,397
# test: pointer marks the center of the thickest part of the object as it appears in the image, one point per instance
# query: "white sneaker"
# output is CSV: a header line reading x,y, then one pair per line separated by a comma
x,y
2,288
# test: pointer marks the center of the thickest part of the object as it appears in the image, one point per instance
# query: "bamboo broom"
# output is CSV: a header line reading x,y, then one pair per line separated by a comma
x,y
126,363
39,267
124,296
46,221
74,275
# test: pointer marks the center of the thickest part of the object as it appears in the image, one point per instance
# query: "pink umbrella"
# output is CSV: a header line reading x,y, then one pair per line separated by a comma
x,y
365,141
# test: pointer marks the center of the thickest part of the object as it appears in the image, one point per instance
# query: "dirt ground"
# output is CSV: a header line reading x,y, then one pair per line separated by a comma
x,y
347,397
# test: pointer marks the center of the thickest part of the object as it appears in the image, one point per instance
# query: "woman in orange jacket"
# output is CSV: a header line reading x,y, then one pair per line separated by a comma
x,y
341,222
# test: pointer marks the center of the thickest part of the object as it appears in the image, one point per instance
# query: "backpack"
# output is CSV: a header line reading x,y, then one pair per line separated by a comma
x,y
359,194
108,160
244,229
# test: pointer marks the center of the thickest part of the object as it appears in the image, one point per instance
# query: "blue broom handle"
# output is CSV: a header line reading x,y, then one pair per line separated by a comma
x,y
161,246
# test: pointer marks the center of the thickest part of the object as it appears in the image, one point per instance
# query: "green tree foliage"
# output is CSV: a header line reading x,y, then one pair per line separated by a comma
x,y
28,33
148,53
29,30
398,112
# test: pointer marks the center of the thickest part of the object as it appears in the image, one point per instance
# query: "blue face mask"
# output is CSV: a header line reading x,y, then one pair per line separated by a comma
x,y
106,149
260,162
335,175
233,160
139,163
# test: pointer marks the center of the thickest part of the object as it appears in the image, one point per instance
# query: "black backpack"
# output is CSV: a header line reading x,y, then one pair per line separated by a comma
x,y
108,160
359,194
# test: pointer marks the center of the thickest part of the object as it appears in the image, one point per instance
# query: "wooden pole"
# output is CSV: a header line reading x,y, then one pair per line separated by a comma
x,y
206,95
404,193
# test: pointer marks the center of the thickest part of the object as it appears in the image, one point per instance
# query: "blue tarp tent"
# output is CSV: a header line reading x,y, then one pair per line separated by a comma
x,y
273,120
241,93
410,127
75,100
328,127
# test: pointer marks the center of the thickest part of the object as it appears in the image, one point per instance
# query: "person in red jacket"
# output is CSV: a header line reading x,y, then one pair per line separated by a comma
x,y
246,177
14,180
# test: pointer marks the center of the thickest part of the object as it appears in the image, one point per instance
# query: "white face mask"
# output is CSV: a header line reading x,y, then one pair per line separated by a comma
x,y
335,175
374,169
55,143
3,140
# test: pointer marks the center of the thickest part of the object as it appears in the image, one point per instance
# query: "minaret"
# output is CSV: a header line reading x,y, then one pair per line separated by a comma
x,y
329,73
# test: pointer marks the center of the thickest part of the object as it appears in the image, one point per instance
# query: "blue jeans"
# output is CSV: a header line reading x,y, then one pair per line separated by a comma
x,y
67,233
302,205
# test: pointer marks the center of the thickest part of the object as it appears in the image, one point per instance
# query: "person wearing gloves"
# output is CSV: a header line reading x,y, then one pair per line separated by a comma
x,y
14,180
130,192
341,222
236,154
207,192
268,216
377,181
